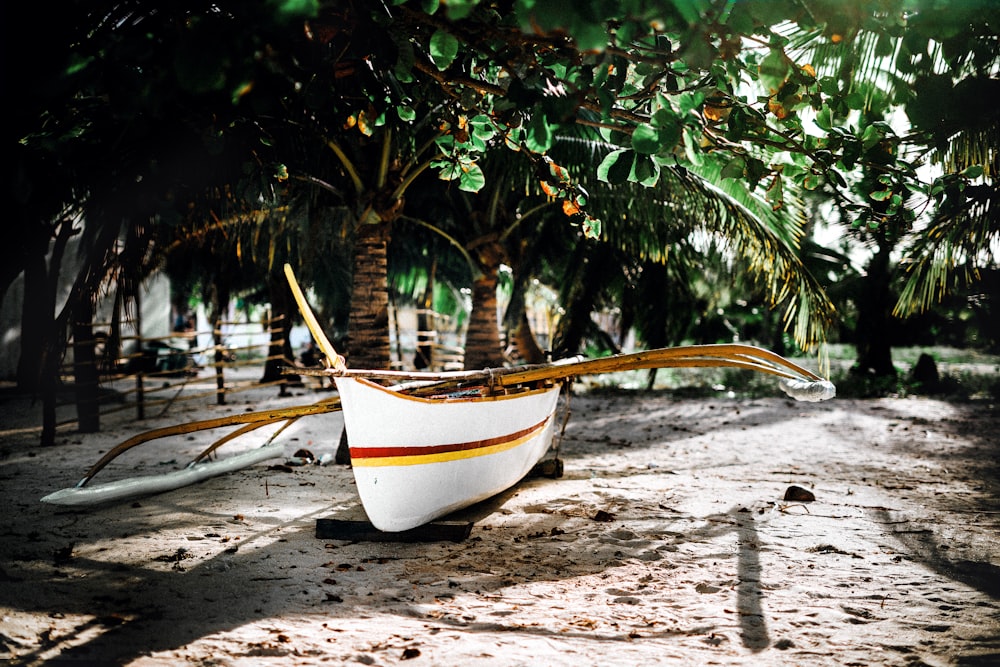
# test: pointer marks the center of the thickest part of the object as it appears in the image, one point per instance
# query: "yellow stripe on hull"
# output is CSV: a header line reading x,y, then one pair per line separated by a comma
x,y
423,459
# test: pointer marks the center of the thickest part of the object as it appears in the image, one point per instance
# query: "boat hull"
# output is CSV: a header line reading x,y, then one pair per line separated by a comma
x,y
418,459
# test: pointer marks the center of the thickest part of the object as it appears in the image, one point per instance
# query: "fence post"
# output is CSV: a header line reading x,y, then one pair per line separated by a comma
x,y
220,382
140,408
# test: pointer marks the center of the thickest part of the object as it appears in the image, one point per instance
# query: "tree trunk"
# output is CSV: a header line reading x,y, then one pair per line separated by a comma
x,y
482,341
279,351
36,319
872,336
368,328
425,324
584,286
42,341
528,349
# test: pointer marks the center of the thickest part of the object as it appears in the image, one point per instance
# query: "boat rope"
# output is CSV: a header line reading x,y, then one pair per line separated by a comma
x,y
490,380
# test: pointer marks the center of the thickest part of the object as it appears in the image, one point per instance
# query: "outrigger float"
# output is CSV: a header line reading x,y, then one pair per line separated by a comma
x,y
429,444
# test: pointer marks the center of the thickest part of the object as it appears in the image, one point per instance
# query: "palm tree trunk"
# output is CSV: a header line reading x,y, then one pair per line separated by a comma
x,y
36,319
482,341
528,349
368,328
424,355
581,292
42,340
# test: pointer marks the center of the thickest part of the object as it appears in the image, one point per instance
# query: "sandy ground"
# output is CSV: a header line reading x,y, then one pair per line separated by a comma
x,y
668,541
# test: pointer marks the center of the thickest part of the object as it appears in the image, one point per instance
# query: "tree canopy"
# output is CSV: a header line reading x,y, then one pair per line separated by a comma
x,y
137,111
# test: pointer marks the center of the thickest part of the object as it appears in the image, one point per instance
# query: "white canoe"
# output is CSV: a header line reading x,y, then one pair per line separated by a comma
x,y
417,459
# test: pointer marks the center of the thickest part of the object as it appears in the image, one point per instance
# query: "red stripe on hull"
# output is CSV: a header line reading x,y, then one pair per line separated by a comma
x,y
378,452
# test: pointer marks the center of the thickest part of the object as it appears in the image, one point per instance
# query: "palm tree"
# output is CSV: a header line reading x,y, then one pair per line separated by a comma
x,y
940,71
513,221
661,225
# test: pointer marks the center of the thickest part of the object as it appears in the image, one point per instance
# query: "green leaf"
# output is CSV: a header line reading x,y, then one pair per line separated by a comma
x,y
687,102
293,10
692,150
880,195
512,139
668,129
894,203
539,137
855,101
689,9
824,117
405,59
592,228
645,139
590,36
615,167
851,153
446,144
483,127
755,171
736,168
829,85
838,178
447,170
406,112
973,172
775,194
774,70
472,178
459,9
444,48
646,171
737,124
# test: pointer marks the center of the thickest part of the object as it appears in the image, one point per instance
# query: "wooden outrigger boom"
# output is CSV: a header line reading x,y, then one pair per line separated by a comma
x,y
746,357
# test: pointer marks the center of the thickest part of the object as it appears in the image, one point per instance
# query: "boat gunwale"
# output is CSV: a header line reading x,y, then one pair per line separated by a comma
x,y
430,400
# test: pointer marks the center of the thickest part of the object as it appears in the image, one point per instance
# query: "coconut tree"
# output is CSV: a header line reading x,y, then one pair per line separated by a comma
x,y
513,220
936,67
954,69
660,223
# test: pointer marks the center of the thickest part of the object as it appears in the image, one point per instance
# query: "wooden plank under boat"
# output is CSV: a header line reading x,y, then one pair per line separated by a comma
x,y
416,459
433,443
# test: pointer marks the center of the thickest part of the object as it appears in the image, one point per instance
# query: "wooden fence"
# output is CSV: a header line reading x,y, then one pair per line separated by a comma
x,y
154,372
149,375
437,347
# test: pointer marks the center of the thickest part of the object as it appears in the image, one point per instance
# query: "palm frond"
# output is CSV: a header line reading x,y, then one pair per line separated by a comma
x,y
864,61
950,253
973,146
646,222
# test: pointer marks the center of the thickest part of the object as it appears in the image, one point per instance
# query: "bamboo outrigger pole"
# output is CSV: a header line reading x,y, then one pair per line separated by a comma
x,y
335,360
